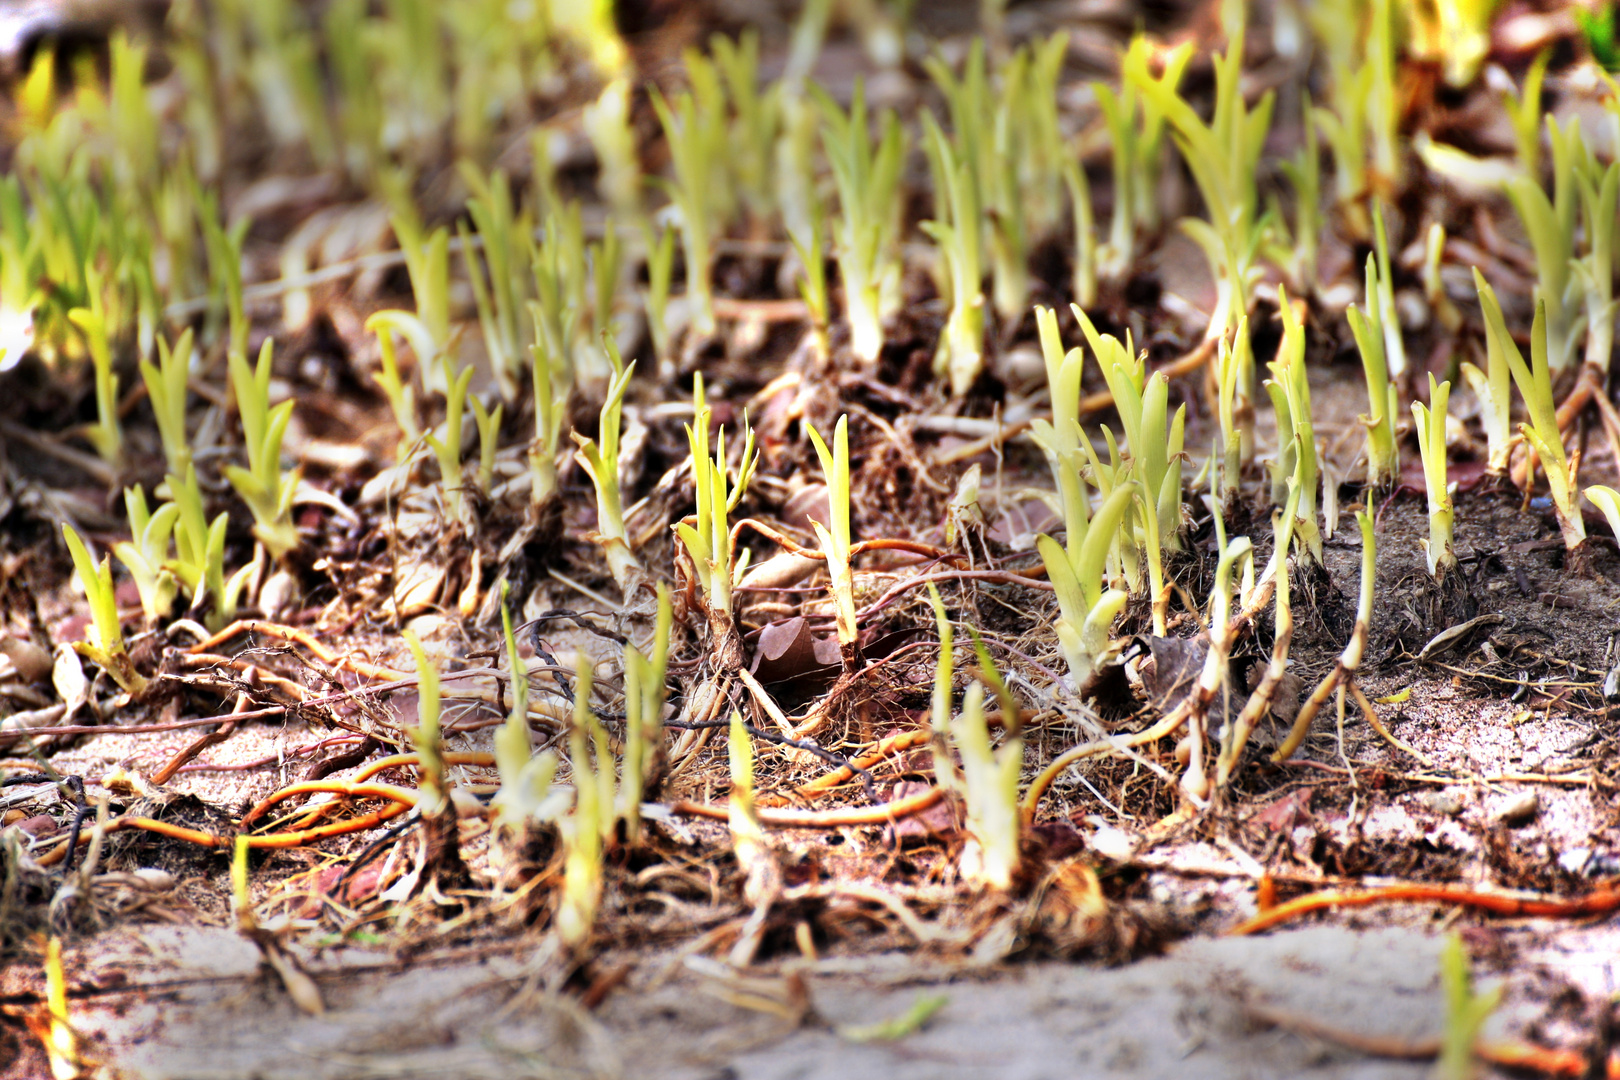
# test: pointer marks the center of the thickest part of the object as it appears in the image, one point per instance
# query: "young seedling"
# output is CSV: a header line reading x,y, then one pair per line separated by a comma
x,y
166,387
1466,1013
644,693
1551,225
1212,680
607,124
1494,386
267,490
1290,391
526,794
867,228
1388,316
1595,270
584,831
1236,735
401,395
1155,439
427,261
991,859
1343,672
696,136
505,236
426,736
660,270
757,117
1234,367
448,449
834,537
1086,609
961,346
709,541
199,560
1382,463
106,644
1542,432
1136,127
105,434
600,460
1223,155
489,438
1430,424
146,554
551,391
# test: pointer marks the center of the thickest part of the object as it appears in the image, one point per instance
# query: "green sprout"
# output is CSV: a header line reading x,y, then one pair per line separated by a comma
x,y
1234,366
866,232
106,644
267,490
166,387
502,296
607,124
644,693
601,462
1297,252
1379,420
695,131
1595,270
1212,680
427,736
105,434
199,560
1154,438
660,270
551,389
560,274
1458,34
1236,735
1296,466
1086,254
1494,386
1551,225
427,261
710,542
747,834
1086,609
146,554
1388,316
990,791
448,449
1350,658
1466,1012
489,439
1430,424
1434,286
758,118
401,395
961,346
585,830
526,793
1136,126
1542,432
1524,112
834,537
1223,156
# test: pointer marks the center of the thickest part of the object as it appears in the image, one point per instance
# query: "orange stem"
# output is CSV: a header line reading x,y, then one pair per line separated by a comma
x,y
1601,901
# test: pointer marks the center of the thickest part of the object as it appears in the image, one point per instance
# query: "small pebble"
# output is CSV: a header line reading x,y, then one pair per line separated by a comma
x,y
1521,810
1444,803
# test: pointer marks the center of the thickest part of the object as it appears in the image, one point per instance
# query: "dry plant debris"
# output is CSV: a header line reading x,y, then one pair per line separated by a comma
x,y
763,331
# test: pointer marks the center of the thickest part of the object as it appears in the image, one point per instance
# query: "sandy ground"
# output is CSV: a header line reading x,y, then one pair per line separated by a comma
x,y
1185,1014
